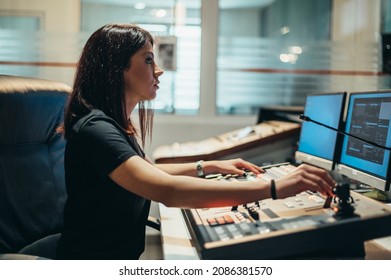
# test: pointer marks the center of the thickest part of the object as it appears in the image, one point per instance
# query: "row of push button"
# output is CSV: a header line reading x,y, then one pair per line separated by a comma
x,y
223,220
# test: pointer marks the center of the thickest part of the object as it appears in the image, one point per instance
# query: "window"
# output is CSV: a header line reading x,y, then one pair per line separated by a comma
x,y
269,52
276,52
47,41
179,89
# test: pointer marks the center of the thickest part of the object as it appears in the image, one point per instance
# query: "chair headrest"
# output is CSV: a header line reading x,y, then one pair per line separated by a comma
x,y
16,84
30,109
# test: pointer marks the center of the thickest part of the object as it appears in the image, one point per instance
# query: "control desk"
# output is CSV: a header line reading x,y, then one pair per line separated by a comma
x,y
245,143
298,227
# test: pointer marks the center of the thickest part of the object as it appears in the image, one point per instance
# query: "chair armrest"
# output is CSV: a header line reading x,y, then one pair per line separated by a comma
x,y
153,223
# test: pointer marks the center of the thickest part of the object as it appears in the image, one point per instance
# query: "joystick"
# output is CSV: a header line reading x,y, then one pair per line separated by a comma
x,y
344,201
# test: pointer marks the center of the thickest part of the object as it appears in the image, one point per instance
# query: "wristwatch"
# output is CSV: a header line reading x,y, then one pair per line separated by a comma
x,y
200,170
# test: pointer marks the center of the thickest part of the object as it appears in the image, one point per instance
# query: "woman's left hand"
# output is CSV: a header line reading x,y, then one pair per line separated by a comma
x,y
231,166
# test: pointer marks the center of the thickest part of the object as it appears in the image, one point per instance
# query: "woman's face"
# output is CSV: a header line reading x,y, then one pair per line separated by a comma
x,y
141,78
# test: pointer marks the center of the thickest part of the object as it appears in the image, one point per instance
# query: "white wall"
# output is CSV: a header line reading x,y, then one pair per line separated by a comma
x,y
356,20
57,15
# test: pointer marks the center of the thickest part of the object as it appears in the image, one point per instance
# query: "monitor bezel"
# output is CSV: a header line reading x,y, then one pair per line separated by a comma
x,y
364,176
316,160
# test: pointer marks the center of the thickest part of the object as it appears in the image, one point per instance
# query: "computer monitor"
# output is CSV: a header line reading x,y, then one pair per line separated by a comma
x,y
319,145
368,117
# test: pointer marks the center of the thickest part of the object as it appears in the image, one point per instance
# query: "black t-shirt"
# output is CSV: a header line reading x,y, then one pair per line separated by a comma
x,y
102,220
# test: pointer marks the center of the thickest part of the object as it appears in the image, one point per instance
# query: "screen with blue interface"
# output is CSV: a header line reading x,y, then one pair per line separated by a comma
x,y
368,117
317,140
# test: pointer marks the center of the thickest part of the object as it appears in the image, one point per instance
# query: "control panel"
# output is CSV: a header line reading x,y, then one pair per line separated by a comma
x,y
302,226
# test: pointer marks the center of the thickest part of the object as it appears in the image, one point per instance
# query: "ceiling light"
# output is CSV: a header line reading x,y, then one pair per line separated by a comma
x,y
161,13
140,5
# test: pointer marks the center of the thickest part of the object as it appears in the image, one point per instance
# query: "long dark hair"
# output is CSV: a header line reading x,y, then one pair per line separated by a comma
x,y
99,81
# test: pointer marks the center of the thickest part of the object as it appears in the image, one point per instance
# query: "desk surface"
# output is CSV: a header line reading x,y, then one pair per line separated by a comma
x,y
176,239
177,243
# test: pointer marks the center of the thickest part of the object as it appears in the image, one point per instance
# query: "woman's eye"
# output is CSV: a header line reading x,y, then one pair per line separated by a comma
x,y
149,60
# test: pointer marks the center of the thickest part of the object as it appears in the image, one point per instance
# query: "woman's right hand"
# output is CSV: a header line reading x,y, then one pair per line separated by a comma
x,y
305,177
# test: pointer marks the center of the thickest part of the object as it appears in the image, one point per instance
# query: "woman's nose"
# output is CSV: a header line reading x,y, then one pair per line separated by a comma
x,y
158,71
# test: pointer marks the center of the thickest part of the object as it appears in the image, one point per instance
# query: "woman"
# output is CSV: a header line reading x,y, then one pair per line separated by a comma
x,y
110,182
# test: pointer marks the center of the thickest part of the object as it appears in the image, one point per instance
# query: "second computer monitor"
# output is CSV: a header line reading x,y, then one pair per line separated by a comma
x,y
318,145
368,117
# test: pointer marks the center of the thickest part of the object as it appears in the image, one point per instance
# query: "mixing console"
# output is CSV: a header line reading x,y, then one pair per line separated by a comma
x,y
302,226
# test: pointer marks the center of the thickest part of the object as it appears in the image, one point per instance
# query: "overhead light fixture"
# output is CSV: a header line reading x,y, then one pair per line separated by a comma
x,y
296,50
161,13
288,58
140,6
285,30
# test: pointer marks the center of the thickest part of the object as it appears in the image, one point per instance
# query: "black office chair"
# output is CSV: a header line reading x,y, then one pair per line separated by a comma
x,y
32,182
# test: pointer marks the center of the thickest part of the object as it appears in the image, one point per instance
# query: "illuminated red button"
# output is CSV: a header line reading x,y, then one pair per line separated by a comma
x,y
221,220
228,219
212,222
